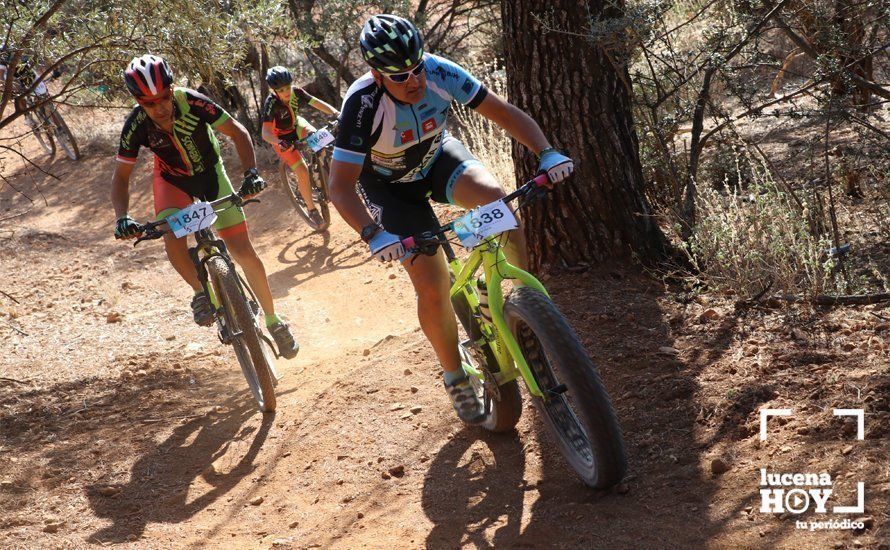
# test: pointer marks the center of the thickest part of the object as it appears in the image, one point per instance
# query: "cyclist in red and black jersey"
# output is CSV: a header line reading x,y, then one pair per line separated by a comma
x,y
282,126
178,125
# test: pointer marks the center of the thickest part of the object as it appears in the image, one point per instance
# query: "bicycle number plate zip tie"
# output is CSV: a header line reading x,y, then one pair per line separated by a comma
x,y
485,221
191,219
319,140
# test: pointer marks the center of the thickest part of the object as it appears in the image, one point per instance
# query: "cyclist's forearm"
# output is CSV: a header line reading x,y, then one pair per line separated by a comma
x,y
268,136
322,106
349,205
244,147
120,196
514,121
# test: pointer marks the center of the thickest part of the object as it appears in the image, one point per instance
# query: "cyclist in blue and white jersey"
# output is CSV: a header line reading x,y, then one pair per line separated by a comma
x,y
393,141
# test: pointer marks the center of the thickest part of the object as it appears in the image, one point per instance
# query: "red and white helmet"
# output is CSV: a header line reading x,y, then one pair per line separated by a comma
x,y
148,76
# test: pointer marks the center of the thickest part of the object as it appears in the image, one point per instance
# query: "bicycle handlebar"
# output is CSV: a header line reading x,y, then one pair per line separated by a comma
x,y
426,242
151,231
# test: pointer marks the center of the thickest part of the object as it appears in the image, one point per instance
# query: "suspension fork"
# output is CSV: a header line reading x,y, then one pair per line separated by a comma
x,y
496,269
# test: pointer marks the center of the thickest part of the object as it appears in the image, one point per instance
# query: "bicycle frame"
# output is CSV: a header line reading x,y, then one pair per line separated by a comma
x,y
489,256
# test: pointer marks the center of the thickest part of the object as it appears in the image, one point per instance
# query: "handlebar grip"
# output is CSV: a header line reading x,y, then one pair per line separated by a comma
x,y
409,243
542,180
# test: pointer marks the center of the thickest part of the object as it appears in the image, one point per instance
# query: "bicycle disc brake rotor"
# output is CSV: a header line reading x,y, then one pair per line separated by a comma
x,y
490,384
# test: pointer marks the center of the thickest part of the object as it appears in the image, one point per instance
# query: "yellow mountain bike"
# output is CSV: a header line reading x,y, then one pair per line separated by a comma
x,y
525,336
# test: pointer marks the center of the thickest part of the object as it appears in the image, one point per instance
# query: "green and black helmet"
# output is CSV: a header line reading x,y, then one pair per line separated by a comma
x,y
391,44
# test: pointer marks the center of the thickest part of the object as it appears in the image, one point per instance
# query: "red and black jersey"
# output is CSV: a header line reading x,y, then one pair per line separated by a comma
x,y
190,150
283,116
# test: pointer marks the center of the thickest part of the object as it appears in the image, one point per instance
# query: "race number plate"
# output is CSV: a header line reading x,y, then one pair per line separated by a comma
x,y
192,218
485,221
319,140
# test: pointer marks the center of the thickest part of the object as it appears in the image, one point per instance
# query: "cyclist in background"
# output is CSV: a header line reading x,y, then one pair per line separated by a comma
x,y
178,125
393,141
282,126
25,76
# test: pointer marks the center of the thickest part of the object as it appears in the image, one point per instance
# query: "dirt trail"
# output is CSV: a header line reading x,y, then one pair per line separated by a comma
x,y
129,424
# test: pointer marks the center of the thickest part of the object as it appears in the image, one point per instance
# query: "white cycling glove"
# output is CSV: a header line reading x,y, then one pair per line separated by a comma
x,y
557,165
386,247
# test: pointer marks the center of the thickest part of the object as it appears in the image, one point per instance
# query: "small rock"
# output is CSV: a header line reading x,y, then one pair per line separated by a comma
x,y
6,484
385,475
392,275
257,501
848,346
360,515
397,407
293,524
667,350
109,491
397,471
407,372
113,317
857,543
414,389
719,466
803,430
366,352
53,526
709,315
622,488
406,416
170,337
847,450
798,334
132,537
867,521
416,410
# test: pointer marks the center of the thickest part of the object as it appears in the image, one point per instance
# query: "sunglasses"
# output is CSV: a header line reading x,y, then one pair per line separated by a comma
x,y
157,100
403,77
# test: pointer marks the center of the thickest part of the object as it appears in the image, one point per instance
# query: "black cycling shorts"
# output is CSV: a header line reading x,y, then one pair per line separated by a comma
x,y
404,208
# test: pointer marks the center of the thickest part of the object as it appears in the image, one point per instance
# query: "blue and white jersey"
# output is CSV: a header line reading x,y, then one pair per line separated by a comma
x,y
397,142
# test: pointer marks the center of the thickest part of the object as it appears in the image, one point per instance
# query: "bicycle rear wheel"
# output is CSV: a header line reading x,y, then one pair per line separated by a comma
x,y
503,404
292,189
578,412
64,136
250,348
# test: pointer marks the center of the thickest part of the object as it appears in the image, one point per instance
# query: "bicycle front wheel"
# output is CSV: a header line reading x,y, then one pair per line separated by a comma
x,y
503,403
250,348
43,134
577,409
319,175
64,136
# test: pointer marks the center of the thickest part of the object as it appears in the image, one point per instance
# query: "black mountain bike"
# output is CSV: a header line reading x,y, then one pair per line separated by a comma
x,y
316,149
235,304
49,127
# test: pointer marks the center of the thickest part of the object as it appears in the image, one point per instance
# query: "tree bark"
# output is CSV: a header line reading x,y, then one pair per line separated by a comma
x,y
578,91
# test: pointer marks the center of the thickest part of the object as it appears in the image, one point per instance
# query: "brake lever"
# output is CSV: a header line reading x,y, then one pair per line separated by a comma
x,y
248,201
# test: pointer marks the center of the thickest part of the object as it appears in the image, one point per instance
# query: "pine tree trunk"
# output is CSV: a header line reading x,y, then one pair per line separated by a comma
x,y
579,92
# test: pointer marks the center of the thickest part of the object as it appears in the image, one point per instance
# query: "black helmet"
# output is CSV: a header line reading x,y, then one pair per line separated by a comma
x,y
278,76
391,44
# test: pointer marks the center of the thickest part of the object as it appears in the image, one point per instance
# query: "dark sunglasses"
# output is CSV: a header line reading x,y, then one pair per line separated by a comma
x,y
403,77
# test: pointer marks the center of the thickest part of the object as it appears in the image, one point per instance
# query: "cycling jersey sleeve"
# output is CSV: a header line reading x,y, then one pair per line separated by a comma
x,y
133,136
357,121
303,98
269,108
205,109
463,86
